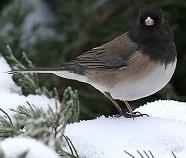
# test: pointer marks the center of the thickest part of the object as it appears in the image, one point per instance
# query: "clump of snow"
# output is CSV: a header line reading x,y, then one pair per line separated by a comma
x,y
6,82
12,101
14,147
165,109
110,137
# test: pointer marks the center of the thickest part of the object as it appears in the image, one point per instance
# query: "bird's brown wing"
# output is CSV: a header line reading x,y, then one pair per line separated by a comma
x,y
112,55
115,54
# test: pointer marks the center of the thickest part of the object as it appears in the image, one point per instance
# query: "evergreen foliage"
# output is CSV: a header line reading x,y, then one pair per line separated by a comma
x,y
28,82
46,126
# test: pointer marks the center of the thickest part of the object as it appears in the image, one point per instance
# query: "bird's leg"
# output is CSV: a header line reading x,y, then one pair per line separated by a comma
x,y
127,115
133,114
107,94
128,107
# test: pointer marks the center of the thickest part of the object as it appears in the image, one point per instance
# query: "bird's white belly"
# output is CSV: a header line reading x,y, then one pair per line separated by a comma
x,y
149,84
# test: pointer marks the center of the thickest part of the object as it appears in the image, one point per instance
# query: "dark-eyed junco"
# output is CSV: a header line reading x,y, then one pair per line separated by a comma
x,y
134,65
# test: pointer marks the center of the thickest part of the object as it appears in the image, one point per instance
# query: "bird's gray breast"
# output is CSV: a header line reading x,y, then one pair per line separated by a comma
x,y
145,82
149,84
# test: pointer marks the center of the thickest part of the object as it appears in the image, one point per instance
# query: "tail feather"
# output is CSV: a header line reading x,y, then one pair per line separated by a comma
x,y
70,71
37,70
71,67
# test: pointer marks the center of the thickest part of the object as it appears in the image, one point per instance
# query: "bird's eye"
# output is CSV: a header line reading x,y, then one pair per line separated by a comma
x,y
149,21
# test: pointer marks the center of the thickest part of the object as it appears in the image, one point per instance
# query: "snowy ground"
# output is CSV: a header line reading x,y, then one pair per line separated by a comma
x,y
161,133
14,147
110,137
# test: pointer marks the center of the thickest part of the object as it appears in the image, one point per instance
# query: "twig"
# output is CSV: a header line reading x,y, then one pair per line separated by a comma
x,y
140,153
129,154
173,154
151,154
146,154
7,116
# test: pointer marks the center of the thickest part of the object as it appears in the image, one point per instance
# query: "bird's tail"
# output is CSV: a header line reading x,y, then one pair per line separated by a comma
x,y
37,70
70,71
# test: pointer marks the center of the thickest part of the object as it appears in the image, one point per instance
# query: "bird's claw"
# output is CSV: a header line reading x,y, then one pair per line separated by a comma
x,y
134,114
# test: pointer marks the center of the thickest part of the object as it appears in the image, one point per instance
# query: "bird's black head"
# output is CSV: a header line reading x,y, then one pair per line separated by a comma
x,y
150,17
151,27
153,34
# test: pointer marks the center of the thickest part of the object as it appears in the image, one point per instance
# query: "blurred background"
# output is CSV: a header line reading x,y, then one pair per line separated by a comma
x,y
52,32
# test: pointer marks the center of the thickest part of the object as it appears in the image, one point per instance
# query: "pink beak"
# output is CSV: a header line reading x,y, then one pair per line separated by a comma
x,y
149,21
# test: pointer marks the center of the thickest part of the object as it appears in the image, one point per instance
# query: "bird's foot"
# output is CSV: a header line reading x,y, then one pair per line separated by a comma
x,y
133,115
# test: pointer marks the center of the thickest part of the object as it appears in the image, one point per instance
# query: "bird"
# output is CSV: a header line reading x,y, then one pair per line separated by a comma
x,y
134,65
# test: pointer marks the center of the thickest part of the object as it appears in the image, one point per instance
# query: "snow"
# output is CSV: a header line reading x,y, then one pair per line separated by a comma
x,y
10,93
161,133
11,98
6,82
110,137
13,147
16,100
165,109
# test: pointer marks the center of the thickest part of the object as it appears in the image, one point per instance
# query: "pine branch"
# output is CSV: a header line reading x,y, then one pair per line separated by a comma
x,y
45,125
7,128
145,154
28,82
22,155
13,18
